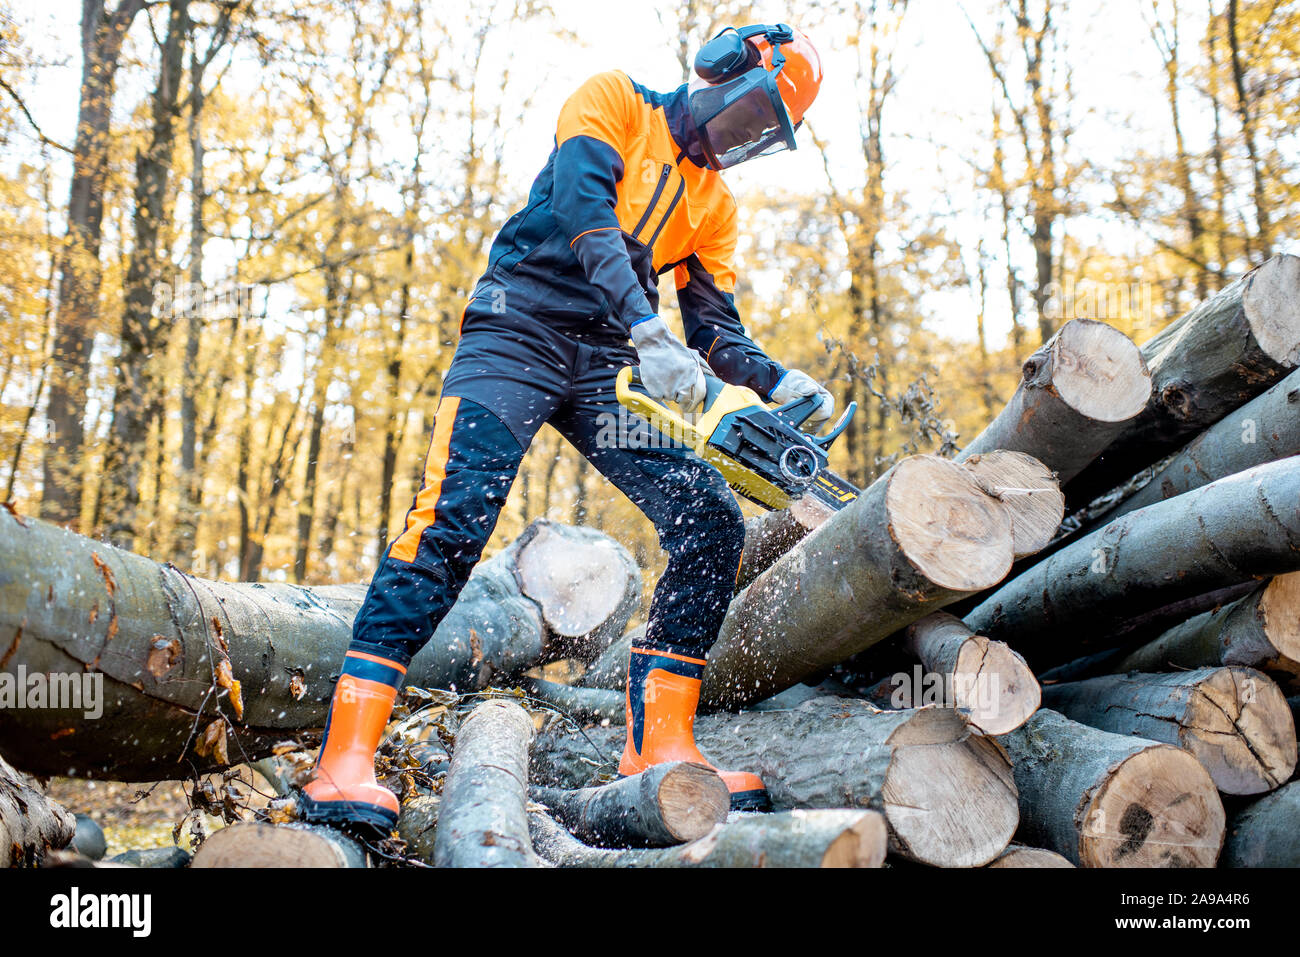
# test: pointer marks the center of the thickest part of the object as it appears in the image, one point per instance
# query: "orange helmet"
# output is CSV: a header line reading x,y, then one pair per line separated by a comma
x,y
751,89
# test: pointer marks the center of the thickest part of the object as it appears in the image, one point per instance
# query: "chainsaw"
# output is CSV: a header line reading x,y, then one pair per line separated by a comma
x,y
762,452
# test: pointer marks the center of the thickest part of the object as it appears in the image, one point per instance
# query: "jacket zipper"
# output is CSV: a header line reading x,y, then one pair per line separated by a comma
x,y
677,196
654,200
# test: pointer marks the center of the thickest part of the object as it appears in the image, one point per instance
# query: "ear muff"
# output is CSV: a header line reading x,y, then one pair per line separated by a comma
x,y
728,55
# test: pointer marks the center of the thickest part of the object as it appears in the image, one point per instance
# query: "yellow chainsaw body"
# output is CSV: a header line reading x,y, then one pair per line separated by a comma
x,y
695,434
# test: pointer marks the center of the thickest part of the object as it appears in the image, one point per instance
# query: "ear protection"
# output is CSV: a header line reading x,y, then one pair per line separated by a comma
x,y
728,55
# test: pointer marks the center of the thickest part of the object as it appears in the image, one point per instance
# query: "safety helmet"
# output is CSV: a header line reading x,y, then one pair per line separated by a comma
x,y
750,91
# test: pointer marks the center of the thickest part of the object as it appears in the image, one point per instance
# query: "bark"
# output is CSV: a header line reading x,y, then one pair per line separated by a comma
x,y
946,794
1075,396
257,844
1263,430
1264,833
1109,800
1260,630
30,823
986,679
198,674
1217,357
578,703
920,537
820,838
1225,532
483,821
1234,720
665,805
1018,855
772,534
162,857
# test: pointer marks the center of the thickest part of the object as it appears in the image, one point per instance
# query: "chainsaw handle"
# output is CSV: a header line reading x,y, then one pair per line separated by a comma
x,y
713,386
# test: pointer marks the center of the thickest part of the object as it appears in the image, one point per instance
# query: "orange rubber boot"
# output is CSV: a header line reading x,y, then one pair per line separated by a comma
x,y
663,692
343,791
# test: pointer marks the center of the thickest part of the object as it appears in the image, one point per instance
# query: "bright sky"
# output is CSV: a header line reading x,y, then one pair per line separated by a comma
x,y
943,96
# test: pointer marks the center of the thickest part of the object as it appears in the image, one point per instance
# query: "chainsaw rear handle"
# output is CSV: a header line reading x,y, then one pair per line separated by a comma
x,y
713,386
797,411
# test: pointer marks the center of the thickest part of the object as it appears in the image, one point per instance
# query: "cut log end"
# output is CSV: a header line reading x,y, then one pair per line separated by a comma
x,y
863,844
1271,304
1158,808
1280,608
1099,372
1018,856
995,686
1239,726
692,799
1029,490
951,531
256,844
951,805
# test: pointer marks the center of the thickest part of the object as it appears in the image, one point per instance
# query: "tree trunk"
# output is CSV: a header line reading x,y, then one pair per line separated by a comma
x,y
821,838
30,823
80,273
920,537
985,678
1228,531
185,659
1076,394
1109,800
1263,430
1220,355
1261,630
1265,833
946,794
483,819
1234,720
664,805
256,844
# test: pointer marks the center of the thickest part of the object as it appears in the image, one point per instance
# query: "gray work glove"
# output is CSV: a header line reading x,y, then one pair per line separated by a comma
x,y
670,371
795,385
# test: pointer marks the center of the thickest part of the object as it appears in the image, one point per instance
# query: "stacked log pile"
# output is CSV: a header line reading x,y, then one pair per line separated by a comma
x,y
950,671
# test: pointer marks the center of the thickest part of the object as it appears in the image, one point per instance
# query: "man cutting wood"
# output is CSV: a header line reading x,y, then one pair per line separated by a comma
x,y
632,189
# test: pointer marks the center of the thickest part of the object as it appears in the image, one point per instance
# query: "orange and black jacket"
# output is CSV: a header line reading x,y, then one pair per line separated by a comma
x,y
625,196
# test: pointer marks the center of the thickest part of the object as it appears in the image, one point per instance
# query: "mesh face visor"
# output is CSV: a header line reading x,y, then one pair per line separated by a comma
x,y
741,119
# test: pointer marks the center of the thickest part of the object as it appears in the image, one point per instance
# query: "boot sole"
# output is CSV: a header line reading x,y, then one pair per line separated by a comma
x,y
757,801
365,820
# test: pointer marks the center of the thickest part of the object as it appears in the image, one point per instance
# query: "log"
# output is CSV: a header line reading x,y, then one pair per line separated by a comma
x,y
1234,720
609,671
483,821
664,805
821,838
1076,394
31,825
772,534
88,838
157,857
1239,527
946,794
258,844
1214,359
1260,630
578,703
1266,832
988,681
1030,492
1017,855
200,675
417,826
1110,800
1263,430
920,537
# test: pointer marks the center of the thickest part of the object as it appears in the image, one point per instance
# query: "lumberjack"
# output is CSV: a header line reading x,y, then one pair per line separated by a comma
x,y
631,190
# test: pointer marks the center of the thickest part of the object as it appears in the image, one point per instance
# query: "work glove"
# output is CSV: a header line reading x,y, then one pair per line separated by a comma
x,y
795,385
669,370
